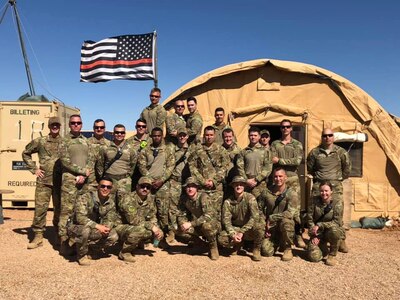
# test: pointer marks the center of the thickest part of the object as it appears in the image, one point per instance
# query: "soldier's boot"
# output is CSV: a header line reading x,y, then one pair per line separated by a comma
x,y
343,247
331,260
214,254
37,241
287,254
127,257
256,254
237,248
65,248
170,237
163,244
84,261
300,242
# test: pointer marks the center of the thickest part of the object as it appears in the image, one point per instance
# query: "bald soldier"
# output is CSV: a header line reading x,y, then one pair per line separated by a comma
x,y
174,122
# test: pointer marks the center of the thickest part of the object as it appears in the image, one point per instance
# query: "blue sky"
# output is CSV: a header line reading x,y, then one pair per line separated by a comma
x,y
359,40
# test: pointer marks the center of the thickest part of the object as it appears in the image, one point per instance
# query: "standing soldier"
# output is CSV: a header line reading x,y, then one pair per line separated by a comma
x,y
219,124
194,121
208,165
47,148
234,152
77,163
287,153
118,160
329,162
255,163
157,161
154,114
241,220
265,138
174,122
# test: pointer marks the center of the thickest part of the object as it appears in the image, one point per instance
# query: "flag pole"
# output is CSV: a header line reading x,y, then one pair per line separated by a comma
x,y
155,59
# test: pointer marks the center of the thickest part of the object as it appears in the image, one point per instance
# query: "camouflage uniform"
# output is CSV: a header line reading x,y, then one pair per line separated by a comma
x,y
158,164
154,115
241,216
95,145
234,152
47,149
89,212
136,220
210,163
76,159
194,124
279,210
334,166
201,214
138,144
330,227
218,132
255,162
122,169
173,123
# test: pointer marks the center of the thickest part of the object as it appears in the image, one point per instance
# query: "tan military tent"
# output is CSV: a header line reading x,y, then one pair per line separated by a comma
x,y
263,92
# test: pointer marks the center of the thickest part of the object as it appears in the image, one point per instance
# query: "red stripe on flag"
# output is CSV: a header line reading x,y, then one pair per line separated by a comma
x,y
117,62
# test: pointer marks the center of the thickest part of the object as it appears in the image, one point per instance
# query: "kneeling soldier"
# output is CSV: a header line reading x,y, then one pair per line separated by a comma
x,y
197,217
95,217
240,218
138,221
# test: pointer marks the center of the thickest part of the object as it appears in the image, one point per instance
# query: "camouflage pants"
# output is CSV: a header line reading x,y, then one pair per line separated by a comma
x,y
254,234
175,191
43,193
217,199
209,230
162,199
132,235
258,189
69,193
282,234
85,237
331,235
123,186
293,182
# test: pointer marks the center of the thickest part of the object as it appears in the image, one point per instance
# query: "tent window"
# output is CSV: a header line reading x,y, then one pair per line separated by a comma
x,y
355,150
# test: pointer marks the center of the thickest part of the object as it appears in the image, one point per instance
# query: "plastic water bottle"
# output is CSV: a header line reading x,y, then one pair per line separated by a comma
x,y
156,241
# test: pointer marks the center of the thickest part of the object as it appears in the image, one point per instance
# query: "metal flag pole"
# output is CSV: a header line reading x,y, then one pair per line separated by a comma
x,y
155,59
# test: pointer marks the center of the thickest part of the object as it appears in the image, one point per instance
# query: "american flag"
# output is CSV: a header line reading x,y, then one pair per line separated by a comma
x,y
120,57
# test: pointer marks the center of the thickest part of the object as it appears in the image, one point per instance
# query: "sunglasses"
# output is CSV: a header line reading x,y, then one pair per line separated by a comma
x,y
327,135
104,186
119,132
99,127
180,106
287,126
145,187
141,126
155,96
75,123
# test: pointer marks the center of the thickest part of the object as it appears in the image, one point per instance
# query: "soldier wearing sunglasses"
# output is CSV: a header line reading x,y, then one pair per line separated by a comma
x,y
154,114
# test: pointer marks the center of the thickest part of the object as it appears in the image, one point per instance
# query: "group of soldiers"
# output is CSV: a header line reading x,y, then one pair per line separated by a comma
x,y
160,187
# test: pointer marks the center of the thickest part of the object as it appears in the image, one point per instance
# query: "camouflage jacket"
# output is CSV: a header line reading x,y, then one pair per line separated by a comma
x,y
154,115
125,165
90,210
75,155
209,163
139,144
197,211
137,212
275,207
157,162
95,146
234,152
255,162
181,170
194,124
316,216
243,214
335,165
173,123
218,132
290,155
47,149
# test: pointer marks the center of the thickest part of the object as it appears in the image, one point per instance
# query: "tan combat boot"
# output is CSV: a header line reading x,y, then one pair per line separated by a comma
x,y
84,261
300,242
37,241
287,255
170,237
331,260
127,257
256,254
343,247
214,254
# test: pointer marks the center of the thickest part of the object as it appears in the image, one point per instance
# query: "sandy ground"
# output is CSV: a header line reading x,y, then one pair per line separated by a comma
x,y
371,270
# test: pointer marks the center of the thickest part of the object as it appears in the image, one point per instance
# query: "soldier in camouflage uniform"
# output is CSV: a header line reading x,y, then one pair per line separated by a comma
x,y
197,217
208,164
329,162
77,163
174,122
234,152
194,121
241,220
265,138
279,205
287,153
324,220
254,163
157,162
137,222
155,113
96,142
95,217
47,148
118,161
219,124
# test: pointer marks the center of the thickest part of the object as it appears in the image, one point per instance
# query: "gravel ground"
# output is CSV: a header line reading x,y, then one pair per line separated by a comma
x,y
371,270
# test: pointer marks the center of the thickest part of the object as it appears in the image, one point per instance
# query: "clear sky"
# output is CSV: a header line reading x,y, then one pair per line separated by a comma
x,y
358,39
